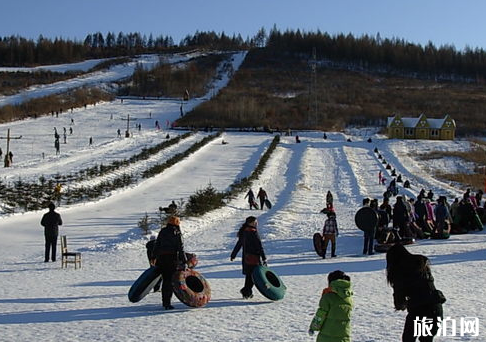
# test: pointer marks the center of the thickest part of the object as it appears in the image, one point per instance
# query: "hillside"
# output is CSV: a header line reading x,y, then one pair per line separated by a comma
x,y
280,92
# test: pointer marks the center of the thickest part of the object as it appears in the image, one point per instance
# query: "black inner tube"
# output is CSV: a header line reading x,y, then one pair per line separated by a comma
x,y
194,284
272,279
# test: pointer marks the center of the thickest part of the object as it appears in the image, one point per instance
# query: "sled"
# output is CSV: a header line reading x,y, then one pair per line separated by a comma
x,y
144,284
366,219
268,283
268,204
254,205
317,239
191,288
477,223
457,229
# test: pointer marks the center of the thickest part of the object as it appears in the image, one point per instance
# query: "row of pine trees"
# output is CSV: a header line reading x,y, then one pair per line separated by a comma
x,y
365,51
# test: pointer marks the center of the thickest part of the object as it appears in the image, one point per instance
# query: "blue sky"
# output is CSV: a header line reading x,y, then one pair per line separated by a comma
x,y
459,23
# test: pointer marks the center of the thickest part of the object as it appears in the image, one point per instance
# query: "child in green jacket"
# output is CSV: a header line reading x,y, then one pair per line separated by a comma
x,y
333,318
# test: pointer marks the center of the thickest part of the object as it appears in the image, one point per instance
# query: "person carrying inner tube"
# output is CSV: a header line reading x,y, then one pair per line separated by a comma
x,y
253,253
169,256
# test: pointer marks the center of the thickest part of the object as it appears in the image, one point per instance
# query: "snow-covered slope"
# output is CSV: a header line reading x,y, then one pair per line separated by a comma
x,y
97,78
41,301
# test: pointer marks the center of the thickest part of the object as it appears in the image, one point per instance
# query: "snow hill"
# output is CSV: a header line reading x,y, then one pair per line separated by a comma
x,y
40,301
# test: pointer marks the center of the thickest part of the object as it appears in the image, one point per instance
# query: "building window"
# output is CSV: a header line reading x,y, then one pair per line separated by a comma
x,y
434,132
409,132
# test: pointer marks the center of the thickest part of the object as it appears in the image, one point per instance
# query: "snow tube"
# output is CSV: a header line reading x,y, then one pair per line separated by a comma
x,y
442,236
268,283
407,241
383,247
366,219
268,204
191,288
317,238
191,260
144,284
254,205
457,229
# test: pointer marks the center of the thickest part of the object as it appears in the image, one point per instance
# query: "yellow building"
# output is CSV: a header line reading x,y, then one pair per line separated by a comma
x,y
421,128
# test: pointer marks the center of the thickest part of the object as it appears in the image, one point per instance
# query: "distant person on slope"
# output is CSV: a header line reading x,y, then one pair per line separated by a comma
x,y
251,199
51,222
262,195
333,317
414,290
329,233
169,256
369,236
329,199
253,253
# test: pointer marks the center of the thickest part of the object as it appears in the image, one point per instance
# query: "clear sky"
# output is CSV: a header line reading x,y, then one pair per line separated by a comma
x,y
457,22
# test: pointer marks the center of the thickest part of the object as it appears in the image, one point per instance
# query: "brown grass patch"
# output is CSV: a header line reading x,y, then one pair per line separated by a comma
x,y
343,97
53,103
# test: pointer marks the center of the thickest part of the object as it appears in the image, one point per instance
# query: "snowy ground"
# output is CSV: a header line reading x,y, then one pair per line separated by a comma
x,y
97,78
40,301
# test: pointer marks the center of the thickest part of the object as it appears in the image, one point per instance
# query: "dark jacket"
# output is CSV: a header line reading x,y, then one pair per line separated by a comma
x,y
262,195
150,249
400,214
416,289
249,239
51,222
441,214
250,195
169,242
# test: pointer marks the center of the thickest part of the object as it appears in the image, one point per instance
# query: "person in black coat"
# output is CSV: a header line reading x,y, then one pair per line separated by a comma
x,y
253,253
169,256
51,222
262,195
251,198
414,290
401,217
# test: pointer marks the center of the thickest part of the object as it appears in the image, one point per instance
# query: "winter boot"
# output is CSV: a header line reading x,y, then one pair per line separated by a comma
x,y
246,295
168,307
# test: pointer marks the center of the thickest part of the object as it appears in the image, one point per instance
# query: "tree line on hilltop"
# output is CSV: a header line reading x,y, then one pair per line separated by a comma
x,y
371,52
19,51
364,51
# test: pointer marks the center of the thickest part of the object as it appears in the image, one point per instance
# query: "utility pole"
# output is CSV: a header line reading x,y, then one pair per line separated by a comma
x,y
314,81
8,137
127,132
